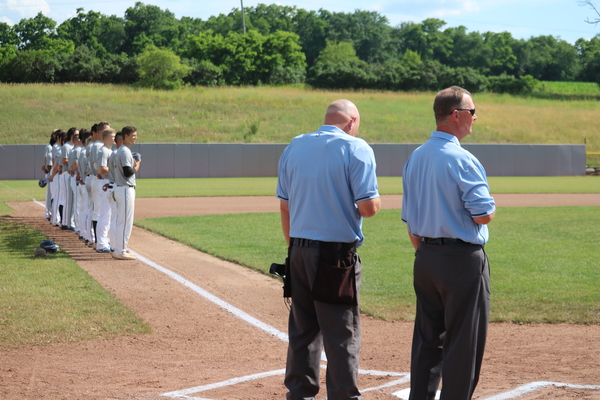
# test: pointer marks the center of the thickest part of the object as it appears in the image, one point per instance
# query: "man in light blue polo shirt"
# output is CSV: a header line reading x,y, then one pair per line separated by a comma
x,y
447,206
326,185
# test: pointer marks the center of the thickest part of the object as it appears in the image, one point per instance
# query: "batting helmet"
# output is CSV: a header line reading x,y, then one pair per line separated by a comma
x,y
49,246
136,156
42,183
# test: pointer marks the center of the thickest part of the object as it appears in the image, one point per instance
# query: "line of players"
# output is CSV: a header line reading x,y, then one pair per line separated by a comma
x,y
91,185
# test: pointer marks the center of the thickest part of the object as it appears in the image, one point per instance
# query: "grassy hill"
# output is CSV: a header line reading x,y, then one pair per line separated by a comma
x,y
275,115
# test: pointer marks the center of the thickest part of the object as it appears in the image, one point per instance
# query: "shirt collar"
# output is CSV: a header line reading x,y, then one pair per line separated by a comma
x,y
330,129
445,136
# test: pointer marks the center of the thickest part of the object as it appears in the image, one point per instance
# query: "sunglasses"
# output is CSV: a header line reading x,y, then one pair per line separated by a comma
x,y
471,110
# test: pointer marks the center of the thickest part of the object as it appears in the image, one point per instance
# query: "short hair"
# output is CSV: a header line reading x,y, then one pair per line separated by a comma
x,y
70,133
107,132
102,126
60,137
128,130
118,136
447,101
94,128
84,134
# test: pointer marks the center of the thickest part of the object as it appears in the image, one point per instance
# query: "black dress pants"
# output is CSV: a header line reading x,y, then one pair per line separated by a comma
x,y
452,286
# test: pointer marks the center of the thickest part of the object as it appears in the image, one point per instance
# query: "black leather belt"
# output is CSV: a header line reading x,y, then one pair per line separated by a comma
x,y
317,243
304,242
442,241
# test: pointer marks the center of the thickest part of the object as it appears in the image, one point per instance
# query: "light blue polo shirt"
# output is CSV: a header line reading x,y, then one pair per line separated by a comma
x,y
322,175
445,186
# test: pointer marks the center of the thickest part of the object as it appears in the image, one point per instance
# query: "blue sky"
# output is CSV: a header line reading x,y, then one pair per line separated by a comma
x,y
522,18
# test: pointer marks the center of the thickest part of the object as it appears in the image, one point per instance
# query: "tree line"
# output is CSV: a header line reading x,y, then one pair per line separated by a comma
x,y
150,47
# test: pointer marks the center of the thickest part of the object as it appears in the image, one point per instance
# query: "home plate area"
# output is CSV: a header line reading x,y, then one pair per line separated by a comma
x,y
391,381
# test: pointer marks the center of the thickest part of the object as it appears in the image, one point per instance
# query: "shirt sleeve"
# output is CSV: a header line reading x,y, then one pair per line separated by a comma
x,y
363,178
476,191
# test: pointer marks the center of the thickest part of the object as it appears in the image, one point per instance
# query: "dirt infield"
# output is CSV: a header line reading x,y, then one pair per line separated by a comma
x,y
200,350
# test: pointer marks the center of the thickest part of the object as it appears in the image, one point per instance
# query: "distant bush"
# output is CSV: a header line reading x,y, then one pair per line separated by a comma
x,y
340,75
512,85
203,73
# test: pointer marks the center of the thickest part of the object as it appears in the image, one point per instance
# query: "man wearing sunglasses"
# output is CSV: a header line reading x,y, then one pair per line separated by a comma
x,y
447,206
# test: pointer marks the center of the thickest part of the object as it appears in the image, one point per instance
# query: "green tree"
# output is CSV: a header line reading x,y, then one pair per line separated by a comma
x,y
161,69
335,52
32,66
368,31
311,29
551,59
440,44
502,59
8,36
589,59
32,32
156,26
468,49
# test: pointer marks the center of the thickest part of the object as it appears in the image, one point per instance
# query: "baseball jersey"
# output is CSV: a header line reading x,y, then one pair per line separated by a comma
x,y
102,157
82,165
93,156
65,150
124,159
112,167
56,154
48,154
73,156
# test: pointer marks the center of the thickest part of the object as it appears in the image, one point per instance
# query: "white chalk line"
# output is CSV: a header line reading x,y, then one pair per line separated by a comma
x,y
26,195
209,296
532,387
521,390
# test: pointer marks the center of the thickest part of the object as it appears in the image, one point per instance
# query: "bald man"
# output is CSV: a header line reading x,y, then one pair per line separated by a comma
x,y
326,185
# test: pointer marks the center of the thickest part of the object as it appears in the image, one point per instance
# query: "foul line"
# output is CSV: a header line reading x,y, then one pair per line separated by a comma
x,y
209,296
521,390
531,387
26,195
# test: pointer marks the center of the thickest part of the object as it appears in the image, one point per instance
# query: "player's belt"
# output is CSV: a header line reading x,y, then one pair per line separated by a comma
x,y
131,186
300,242
442,241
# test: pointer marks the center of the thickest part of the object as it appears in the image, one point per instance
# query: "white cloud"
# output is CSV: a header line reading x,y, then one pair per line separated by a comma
x,y
15,10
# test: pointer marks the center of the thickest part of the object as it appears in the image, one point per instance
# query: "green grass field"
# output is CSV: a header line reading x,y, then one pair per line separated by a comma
x,y
276,115
544,268
544,260
52,300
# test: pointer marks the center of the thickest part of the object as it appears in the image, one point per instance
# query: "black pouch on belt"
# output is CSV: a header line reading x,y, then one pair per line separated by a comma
x,y
335,281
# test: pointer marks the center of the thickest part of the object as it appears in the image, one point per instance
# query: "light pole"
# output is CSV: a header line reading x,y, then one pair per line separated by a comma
x,y
243,17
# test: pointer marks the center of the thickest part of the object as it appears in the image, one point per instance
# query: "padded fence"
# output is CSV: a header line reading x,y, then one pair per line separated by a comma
x,y
201,160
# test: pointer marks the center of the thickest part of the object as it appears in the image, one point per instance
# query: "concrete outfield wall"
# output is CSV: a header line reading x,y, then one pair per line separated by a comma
x,y
190,160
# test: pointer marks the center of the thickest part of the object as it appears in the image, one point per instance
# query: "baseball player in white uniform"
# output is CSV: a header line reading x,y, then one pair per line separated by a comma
x,y
47,168
83,222
66,196
103,226
89,183
96,184
55,177
125,168
73,166
111,186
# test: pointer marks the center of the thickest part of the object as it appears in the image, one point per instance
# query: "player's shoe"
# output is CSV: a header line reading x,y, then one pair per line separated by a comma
x,y
123,256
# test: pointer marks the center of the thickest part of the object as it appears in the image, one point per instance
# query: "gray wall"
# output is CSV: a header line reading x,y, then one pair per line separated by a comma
x,y
188,160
